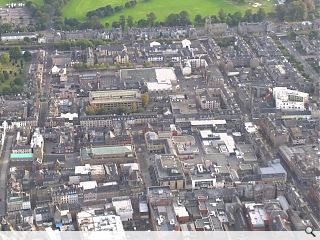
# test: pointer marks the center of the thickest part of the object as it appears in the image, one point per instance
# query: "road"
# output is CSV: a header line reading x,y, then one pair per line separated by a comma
x,y
144,159
307,67
4,167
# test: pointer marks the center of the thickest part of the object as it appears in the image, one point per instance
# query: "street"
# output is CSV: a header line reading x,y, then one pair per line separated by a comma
x,y
4,167
307,67
144,160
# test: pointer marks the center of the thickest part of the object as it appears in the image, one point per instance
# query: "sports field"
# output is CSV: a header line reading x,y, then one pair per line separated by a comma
x,y
162,8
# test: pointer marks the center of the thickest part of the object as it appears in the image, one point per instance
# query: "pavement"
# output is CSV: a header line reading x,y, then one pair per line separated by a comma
x,y
144,161
4,167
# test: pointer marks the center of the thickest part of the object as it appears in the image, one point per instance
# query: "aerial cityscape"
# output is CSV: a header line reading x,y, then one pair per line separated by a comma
x,y
157,115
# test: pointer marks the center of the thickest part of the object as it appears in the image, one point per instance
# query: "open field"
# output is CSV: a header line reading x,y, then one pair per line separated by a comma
x,y
162,8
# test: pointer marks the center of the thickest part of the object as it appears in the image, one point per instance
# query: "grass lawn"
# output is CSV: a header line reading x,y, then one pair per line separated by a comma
x,y
13,69
162,8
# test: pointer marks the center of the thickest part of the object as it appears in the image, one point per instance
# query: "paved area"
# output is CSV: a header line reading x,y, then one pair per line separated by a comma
x,y
144,159
4,167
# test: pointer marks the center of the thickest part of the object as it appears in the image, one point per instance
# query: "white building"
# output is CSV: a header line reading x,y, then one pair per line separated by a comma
x,y
17,36
290,100
55,70
164,79
89,221
186,43
123,208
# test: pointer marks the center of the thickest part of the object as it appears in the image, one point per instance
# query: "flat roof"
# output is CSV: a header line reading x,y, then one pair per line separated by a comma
x,y
274,168
208,122
106,150
21,155
88,185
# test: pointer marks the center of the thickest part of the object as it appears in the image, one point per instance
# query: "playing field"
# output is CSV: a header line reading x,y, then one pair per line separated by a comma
x,y
162,8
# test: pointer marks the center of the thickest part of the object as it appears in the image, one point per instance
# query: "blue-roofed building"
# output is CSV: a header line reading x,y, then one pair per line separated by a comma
x,y
22,160
274,173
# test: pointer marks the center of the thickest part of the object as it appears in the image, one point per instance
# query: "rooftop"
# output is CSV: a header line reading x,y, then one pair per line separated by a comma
x,y
90,152
21,155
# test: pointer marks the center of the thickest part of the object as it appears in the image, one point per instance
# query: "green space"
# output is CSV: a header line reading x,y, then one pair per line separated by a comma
x,y
162,8
12,69
6,83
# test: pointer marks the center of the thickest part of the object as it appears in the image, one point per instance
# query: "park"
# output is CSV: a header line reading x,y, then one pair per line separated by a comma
x,y
78,9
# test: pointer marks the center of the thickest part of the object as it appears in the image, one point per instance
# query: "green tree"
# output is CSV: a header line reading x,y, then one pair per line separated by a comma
x,y
145,99
6,75
122,22
184,18
151,17
15,53
6,90
248,16
261,15
280,12
222,15
115,24
173,20
1,77
18,81
313,34
142,23
292,35
27,56
198,20
130,21
5,58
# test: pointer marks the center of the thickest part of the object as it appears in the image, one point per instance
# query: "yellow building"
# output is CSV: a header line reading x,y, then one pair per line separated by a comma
x,y
113,99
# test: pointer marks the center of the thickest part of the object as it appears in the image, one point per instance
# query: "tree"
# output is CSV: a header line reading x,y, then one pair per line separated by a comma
x,y
280,12
27,56
198,20
6,90
5,58
235,18
184,18
91,110
130,22
142,23
18,81
1,77
296,10
173,20
115,24
122,22
313,34
151,17
292,35
248,16
145,99
15,53
6,75
222,15
261,15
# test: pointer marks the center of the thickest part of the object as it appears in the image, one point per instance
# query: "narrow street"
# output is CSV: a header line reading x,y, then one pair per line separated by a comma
x,y
144,159
314,75
4,167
